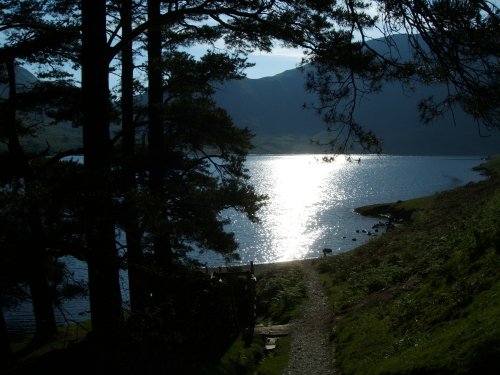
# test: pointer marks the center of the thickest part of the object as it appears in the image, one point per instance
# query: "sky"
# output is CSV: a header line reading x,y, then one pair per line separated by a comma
x,y
270,64
266,64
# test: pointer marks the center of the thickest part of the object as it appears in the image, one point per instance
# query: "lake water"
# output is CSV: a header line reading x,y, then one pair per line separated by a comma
x,y
311,203
311,206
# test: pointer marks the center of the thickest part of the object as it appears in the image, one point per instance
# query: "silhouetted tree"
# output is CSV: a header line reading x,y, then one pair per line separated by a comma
x,y
156,158
454,43
204,152
168,27
5,352
31,35
102,257
133,233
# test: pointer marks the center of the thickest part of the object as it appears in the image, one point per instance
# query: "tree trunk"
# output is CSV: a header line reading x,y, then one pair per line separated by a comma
x,y
16,151
132,231
156,141
33,245
41,295
104,286
5,352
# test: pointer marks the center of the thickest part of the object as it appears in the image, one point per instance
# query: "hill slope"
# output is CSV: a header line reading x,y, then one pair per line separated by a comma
x,y
425,297
272,108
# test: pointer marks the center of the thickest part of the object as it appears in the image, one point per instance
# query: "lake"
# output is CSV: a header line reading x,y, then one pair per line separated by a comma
x,y
311,203
311,206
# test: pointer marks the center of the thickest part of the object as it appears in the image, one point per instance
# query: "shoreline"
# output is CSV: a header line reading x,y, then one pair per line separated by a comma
x,y
260,267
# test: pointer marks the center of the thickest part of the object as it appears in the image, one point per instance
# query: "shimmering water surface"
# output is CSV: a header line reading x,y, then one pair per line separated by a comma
x,y
311,203
311,206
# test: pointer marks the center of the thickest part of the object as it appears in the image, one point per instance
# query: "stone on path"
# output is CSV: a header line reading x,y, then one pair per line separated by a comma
x,y
272,331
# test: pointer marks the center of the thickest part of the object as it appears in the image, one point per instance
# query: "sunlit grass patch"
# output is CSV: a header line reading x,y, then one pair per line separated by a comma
x,y
280,291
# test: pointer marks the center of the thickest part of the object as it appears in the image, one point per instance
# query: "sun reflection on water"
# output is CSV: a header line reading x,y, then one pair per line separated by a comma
x,y
311,203
296,187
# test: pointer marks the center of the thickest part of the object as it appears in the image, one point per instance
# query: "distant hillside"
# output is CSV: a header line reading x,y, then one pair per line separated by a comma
x,y
391,114
60,137
23,79
272,108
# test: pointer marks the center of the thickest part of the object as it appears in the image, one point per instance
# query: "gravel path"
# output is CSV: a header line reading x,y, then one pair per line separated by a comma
x,y
311,350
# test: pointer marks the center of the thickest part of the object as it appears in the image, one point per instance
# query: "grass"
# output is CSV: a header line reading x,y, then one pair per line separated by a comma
x,y
401,210
425,297
239,359
276,362
66,335
280,291
252,360
25,350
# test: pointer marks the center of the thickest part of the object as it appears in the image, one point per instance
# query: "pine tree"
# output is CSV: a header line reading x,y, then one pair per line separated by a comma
x,y
133,233
29,40
104,287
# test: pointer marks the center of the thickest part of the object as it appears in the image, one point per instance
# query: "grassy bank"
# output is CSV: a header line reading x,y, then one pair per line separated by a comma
x,y
425,297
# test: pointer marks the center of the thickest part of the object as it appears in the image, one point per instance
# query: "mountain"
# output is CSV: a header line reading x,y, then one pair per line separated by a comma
x,y
272,108
23,80
59,137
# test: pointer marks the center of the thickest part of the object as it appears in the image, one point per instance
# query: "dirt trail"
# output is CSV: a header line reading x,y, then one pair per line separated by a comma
x,y
311,350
